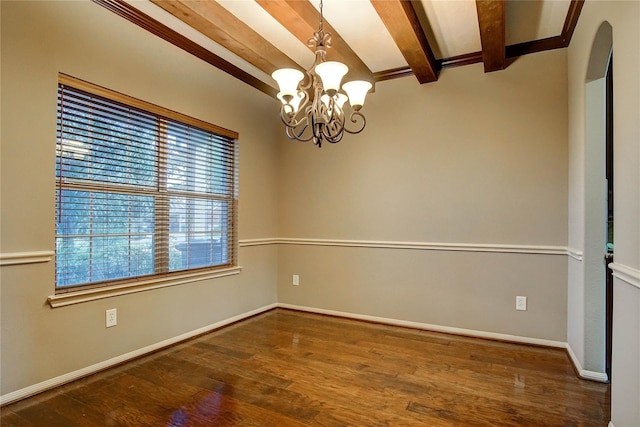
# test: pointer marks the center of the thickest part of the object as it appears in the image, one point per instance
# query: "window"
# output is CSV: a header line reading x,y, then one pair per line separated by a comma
x,y
141,191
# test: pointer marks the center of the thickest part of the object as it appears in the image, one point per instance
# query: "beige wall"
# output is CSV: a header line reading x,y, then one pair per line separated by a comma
x,y
40,39
473,159
477,146
624,18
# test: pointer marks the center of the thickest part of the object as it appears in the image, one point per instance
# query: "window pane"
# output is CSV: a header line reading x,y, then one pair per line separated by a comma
x,y
121,244
73,260
198,161
106,143
121,213
117,257
72,213
198,233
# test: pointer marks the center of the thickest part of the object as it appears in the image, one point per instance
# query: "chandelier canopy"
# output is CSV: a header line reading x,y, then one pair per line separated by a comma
x,y
313,106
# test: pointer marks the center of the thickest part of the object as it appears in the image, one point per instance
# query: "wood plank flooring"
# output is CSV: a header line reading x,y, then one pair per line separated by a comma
x,y
287,368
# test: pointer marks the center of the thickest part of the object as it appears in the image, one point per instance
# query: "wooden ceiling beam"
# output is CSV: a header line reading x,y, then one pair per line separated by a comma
x,y
301,19
575,7
221,26
126,11
404,26
491,20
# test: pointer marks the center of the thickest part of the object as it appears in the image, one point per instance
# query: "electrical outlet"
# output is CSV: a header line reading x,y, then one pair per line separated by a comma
x,y
521,303
112,317
296,280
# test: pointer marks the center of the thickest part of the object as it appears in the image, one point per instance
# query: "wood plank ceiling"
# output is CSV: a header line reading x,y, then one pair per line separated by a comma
x,y
377,39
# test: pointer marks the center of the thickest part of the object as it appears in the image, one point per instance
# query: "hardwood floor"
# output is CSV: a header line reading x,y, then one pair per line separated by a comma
x,y
286,368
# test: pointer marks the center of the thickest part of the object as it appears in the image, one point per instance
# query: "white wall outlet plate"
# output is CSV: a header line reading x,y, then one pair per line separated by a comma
x,y
521,303
296,280
112,317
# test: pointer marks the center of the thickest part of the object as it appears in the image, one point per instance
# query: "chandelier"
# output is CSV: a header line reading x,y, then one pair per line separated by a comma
x,y
313,108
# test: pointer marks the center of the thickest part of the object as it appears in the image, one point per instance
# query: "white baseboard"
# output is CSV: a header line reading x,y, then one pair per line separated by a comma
x,y
611,424
583,373
71,376
430,327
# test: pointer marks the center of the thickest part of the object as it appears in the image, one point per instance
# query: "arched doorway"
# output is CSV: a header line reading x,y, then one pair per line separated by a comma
x,y
598,166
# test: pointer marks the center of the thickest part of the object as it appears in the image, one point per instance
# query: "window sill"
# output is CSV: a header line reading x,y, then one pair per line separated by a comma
x,y
69,298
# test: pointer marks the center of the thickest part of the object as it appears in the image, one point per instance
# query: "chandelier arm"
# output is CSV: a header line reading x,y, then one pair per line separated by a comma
x,y
337,135
334,130
304,99
296,131
307,83
336,140
292,135
352,118
289,119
